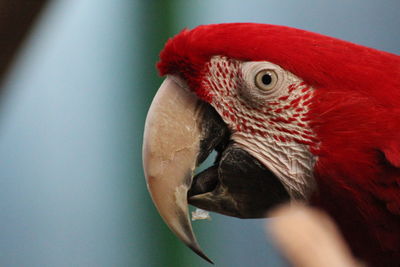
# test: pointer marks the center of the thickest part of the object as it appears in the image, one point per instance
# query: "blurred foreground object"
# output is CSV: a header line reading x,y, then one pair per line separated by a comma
x,y
309,238
16,21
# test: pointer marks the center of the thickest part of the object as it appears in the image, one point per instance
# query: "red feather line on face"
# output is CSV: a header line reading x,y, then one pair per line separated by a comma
x,y
277,118
355,113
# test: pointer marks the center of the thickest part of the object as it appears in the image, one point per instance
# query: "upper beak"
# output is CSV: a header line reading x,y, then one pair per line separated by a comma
x,y
170,150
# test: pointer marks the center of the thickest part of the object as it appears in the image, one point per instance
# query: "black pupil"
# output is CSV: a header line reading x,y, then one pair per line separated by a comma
x,y
266,79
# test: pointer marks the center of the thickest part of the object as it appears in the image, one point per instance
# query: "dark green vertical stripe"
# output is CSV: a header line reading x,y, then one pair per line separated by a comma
x,y
157,26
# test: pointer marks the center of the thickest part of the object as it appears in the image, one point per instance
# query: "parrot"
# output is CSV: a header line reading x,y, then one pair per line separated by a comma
x,y
292,115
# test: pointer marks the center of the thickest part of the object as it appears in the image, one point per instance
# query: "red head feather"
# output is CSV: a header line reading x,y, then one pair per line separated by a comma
x,y
320,60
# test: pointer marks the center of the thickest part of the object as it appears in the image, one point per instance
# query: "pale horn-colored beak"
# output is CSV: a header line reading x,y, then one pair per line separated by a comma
x,y
170,148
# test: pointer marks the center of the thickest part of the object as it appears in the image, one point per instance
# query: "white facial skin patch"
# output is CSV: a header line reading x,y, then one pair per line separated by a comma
x,y
266,109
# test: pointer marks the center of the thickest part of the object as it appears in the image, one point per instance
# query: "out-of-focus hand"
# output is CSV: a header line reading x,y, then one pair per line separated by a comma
x,y
308,237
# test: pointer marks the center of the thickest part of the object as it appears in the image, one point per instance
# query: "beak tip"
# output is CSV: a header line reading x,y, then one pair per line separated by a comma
x,y
199,252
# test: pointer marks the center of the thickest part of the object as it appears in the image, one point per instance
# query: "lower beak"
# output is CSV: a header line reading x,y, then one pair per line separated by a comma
x,y
170,150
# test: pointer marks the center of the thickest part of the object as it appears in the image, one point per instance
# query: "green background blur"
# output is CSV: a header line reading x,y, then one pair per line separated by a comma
x,y
72,191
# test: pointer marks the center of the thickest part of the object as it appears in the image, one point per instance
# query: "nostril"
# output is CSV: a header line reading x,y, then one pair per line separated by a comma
x,y
204,182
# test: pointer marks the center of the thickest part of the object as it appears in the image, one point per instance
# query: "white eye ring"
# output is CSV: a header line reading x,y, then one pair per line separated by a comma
x,y
266,80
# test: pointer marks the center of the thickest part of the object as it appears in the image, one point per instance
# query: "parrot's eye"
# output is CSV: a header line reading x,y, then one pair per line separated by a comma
x,y
266,79
262,80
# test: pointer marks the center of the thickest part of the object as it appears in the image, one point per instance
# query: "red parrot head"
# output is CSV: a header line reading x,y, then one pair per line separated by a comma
x,y
293,115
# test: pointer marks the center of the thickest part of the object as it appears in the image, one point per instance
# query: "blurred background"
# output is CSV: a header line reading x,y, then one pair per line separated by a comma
x,y
73,104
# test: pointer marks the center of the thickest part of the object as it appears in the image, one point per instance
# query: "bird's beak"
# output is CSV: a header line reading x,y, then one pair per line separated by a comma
x,y
170,150
180,132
